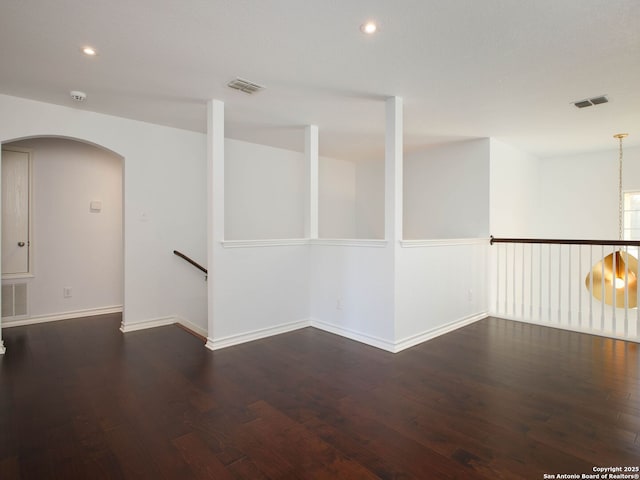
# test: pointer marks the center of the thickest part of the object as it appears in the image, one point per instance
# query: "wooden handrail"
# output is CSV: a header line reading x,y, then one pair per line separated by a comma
x,y
556,241
192,262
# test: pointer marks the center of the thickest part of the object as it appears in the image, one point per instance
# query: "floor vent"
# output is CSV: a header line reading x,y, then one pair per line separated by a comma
x,y
14,300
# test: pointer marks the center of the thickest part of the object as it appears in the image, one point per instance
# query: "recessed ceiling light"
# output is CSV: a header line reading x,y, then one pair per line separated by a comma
x,y
369,28
90,51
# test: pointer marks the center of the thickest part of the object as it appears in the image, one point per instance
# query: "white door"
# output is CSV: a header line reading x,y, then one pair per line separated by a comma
x,y
15,212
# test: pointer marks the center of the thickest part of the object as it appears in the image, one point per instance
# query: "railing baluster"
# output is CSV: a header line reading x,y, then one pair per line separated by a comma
x,y
549,275
603,293
613,293
580,285
522,294
559,284
513,283
569,288
540,283
506,279
637,307
626,291
498,279
531,282
591,288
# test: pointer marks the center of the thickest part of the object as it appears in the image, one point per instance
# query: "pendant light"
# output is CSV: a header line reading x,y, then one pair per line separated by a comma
x,y
609,277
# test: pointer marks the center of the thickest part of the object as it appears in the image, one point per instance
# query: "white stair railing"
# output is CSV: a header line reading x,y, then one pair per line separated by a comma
x,y
549,282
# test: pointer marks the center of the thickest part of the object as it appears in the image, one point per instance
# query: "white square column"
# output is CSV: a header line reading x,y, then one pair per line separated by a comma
x,y
393,197
311,148
215,202
393,171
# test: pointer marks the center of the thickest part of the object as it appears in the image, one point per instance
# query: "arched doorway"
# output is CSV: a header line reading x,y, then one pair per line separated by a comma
x,y
75,249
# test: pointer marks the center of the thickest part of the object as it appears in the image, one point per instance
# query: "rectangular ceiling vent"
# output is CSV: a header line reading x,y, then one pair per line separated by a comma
x,y
245,86
591,101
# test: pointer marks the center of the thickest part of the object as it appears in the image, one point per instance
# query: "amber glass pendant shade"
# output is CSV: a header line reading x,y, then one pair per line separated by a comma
x,y
623,272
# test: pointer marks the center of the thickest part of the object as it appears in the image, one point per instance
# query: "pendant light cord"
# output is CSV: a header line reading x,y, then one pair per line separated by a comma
x,y
620,206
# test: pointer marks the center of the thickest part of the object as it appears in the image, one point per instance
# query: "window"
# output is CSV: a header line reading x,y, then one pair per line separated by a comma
x,y
631,216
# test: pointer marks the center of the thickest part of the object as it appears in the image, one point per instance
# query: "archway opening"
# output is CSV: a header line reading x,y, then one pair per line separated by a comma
x,y
74,246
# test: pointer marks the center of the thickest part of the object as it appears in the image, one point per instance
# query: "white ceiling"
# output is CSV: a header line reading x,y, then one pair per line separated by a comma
x,y
508,69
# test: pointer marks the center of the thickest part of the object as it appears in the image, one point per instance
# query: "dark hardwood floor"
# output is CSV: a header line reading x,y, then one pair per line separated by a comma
x,y
494,400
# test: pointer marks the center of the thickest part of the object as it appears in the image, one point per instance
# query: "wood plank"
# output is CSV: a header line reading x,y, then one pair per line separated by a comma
x,y
202,462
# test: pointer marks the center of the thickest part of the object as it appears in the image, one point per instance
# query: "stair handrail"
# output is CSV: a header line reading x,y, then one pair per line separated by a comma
x,y
191,261
558,241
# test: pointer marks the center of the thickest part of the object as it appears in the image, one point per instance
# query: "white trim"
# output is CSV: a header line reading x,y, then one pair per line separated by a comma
x,y
9,277
286,242
271,242
395,347
145,324
218,343
436,332
443,242
567,328
349,242
90,312
192,326
353,335
2,349
162,322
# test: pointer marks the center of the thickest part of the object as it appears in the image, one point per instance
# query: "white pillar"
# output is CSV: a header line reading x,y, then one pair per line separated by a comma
x,y
393,201
312,175
393,171
215,202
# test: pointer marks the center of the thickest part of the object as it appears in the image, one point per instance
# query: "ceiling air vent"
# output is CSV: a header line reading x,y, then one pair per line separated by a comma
x,y
591,101
244,86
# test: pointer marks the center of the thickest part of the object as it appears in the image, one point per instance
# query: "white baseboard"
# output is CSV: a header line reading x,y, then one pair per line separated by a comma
x,y
90,312
353,335
395,347
436,332
569,328
151,323
192,326
218,343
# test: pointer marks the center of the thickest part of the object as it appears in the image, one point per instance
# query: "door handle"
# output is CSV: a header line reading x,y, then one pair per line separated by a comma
x,y
21,244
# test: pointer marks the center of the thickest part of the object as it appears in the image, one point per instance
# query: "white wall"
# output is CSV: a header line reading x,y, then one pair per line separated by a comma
x,y
337,198
515,192
579,194
370,199
73,246
264,192
164,201
440,287
261,291
352,292
446,191
258,290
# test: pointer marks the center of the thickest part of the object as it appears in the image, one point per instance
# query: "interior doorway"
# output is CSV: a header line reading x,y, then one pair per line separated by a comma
x,y
74,231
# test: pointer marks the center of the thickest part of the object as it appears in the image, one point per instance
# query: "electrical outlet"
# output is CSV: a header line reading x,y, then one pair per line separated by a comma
x,y
67,292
